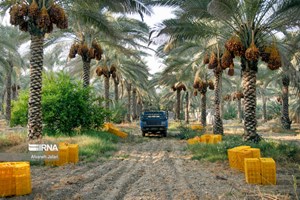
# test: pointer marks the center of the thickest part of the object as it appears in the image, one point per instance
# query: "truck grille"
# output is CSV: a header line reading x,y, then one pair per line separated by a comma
x,y
153,122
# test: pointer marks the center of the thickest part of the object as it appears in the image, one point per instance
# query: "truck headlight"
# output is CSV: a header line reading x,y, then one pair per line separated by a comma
x,y
163,123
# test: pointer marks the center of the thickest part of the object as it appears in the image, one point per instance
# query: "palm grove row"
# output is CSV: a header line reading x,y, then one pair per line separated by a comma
x,y
205,39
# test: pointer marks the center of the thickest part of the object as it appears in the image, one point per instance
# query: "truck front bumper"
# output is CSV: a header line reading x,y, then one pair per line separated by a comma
x,y
160,128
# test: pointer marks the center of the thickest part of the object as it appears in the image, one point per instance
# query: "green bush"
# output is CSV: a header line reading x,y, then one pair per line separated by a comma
x,y
66,105
19,110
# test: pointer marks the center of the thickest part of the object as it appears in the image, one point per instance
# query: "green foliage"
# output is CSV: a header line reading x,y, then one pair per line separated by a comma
x,y
230,112
118,112
19,111
273,110
279,151
66,105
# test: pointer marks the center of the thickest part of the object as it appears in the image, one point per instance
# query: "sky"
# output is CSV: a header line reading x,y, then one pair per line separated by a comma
x,y
159,14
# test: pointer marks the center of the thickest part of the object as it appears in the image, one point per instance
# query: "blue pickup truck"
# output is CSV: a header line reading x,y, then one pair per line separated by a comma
x,y
154,122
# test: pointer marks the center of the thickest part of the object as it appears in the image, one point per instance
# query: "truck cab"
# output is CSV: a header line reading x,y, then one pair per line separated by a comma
x,y
154,122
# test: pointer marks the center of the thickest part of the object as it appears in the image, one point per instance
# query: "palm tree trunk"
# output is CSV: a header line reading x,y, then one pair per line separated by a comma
x,y
221,99
129,102
35,124
239,109
249,90
86,72
285,119
178,105
264,101
203,108
139,109
106,91
187,103
8,92
218,124
116,82
134,104
14,92
2,101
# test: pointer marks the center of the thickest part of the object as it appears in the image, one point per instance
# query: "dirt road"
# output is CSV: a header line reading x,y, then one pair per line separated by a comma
x,y
153,168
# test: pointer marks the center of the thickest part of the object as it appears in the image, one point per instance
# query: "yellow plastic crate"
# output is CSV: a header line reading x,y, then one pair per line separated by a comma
x,y
255,152
196,127
218,138
117,132
63,144
15,179
241,155
23,178
7,180
214,139
232,155
51,162
268,171
194,140
205,138
246,153
253,170
63,156
107,126
73,153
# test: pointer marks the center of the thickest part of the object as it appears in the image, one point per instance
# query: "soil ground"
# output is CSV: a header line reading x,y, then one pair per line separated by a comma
x,y
153,168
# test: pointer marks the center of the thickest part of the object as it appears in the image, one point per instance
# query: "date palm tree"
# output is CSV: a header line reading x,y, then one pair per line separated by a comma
x,y
36,17
178,87
201,84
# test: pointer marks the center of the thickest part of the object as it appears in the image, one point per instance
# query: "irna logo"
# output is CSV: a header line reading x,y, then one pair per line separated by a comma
x,y
42,147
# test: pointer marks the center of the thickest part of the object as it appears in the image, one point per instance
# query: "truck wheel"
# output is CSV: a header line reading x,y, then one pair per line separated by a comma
x,y
143,133
165,134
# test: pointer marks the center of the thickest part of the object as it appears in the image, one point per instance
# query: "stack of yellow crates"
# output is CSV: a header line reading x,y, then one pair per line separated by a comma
x,y
214,139
67,153
7,182
257,170
206,138
63,155
268,171
15,179
237,155
23,179
73,153
246,153
260,171
194,140
232,155
197,127
252,170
